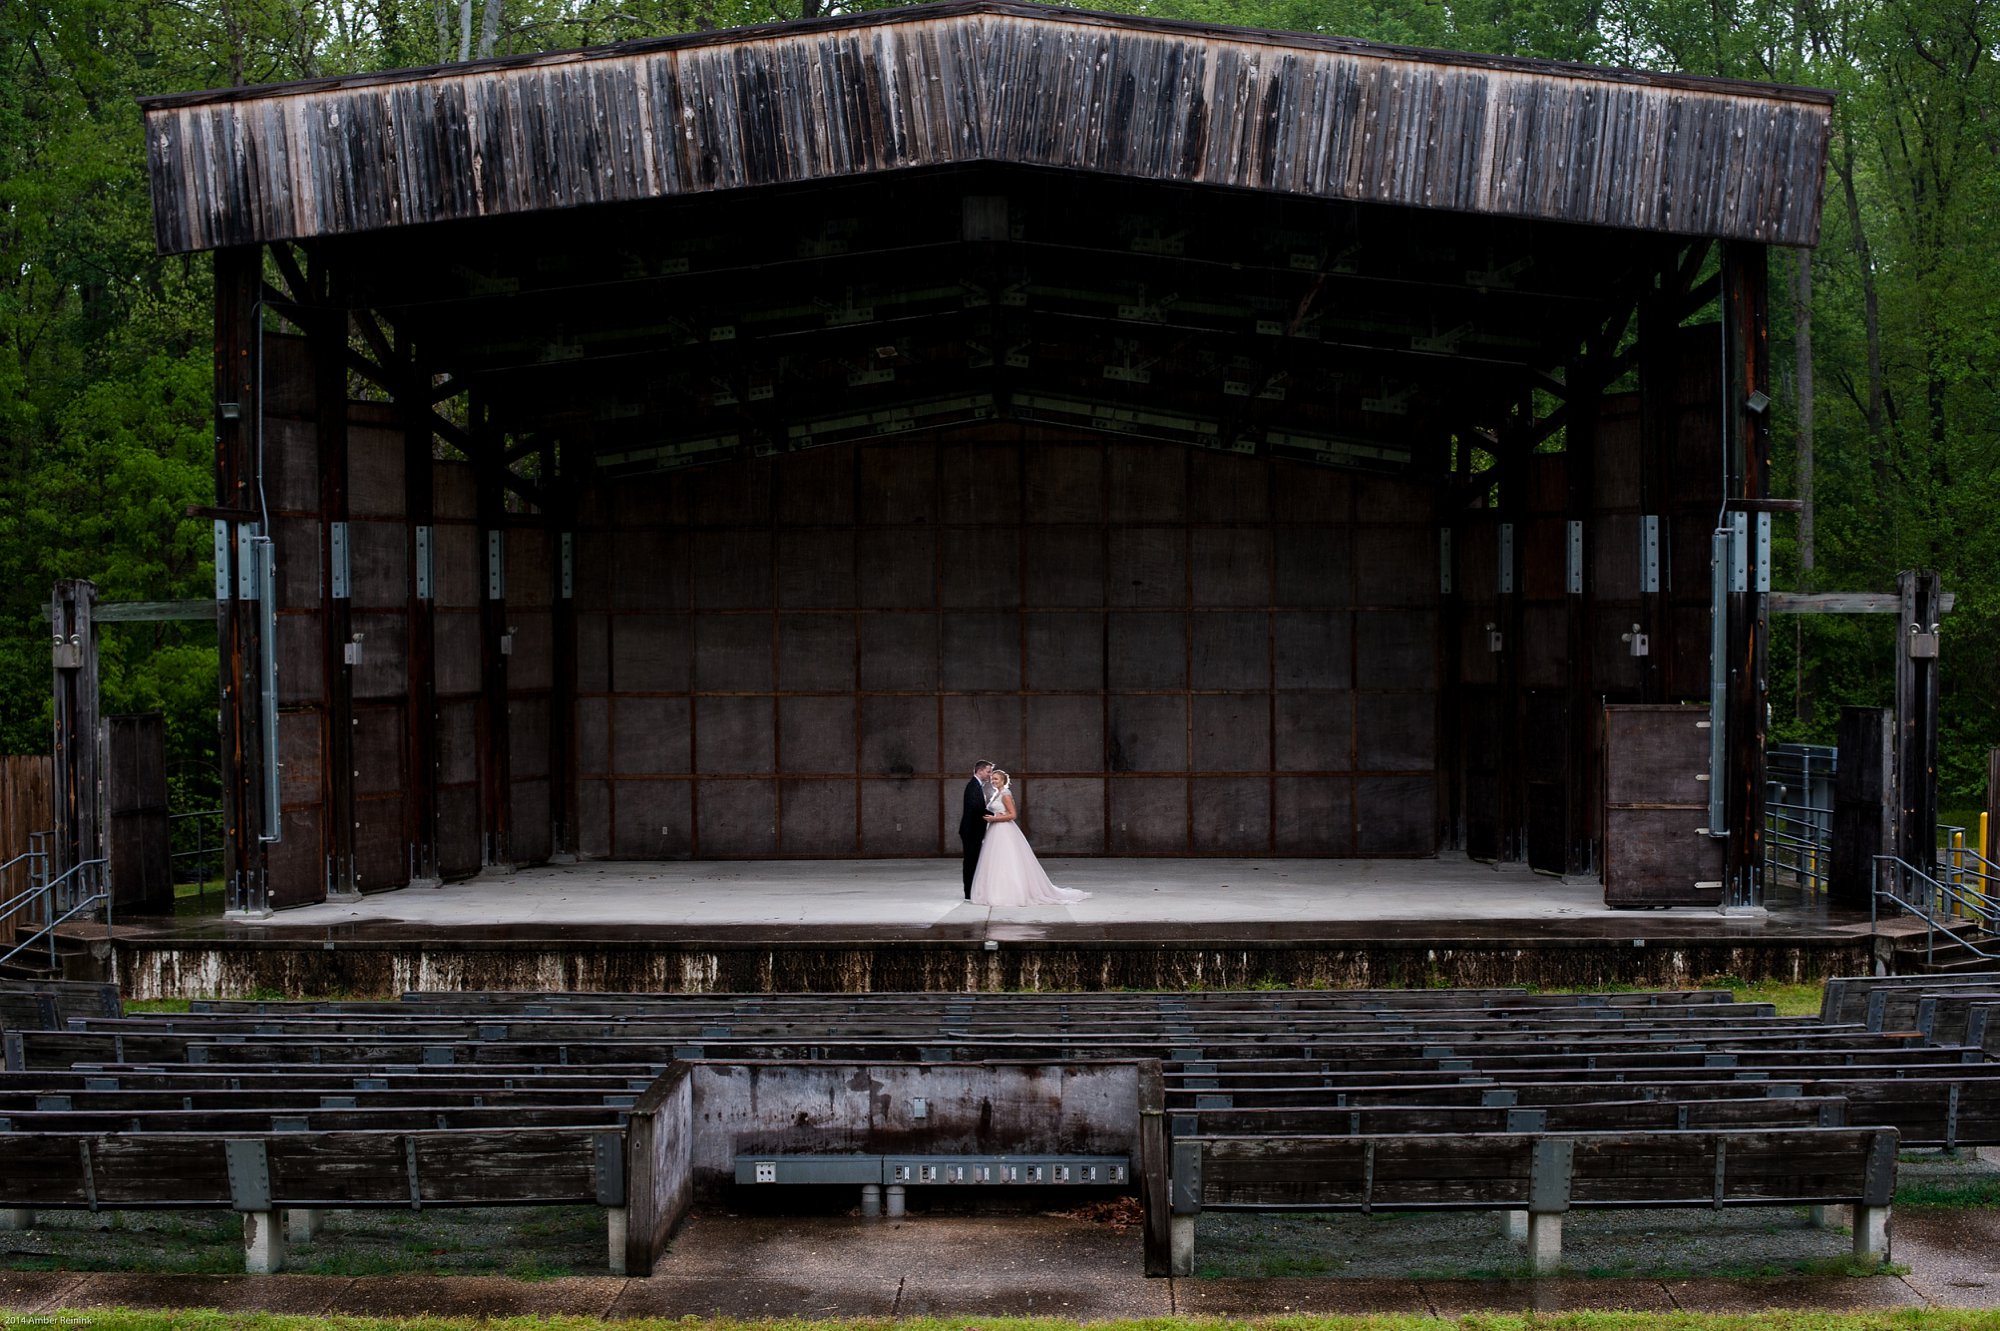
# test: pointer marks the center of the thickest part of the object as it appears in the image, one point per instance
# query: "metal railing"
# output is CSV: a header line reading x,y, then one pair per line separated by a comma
x,y
60,899
1798,815
1941,903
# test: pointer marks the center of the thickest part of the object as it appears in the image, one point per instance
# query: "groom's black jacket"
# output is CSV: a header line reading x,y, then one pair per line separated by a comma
x,y
972,823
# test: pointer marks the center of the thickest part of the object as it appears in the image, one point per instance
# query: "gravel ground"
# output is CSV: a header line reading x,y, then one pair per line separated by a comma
x,y
530,1242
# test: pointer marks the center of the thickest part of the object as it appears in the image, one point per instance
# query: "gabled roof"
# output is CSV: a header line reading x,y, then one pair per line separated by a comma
x,y
998,82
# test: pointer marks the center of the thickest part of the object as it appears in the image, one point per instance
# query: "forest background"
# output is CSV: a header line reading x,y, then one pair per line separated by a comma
x,y
1886,338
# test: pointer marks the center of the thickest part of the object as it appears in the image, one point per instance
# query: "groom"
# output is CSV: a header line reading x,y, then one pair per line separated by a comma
x,y
972,823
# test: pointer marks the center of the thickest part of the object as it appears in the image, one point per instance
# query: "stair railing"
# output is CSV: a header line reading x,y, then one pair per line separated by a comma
x,y
1938,903
64,897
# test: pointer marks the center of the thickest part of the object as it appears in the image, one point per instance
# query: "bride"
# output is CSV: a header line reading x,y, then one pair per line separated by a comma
x,y
1008,873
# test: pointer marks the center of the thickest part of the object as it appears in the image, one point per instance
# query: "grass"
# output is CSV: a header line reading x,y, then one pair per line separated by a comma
x,y
1949,1192
1902,1319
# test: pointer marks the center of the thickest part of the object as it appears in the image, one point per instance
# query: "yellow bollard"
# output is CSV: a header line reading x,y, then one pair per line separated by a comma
x,y
1958,872
1979,892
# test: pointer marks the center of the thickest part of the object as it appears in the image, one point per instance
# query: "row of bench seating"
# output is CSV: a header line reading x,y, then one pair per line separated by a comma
x,y
1530,1104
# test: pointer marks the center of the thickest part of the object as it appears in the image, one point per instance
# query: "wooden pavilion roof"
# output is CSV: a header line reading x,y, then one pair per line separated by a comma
x,y
989,82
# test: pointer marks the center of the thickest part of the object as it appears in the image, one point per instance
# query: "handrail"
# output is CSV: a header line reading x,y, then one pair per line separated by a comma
x,y
48,890
1979,907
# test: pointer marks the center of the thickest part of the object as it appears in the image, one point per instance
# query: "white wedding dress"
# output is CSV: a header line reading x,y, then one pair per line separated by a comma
x,y
1008,872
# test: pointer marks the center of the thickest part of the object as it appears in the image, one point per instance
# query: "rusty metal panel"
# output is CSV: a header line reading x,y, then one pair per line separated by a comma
x,y
1231,566
1066,566
296,541
298,758
1396,566
457,741
381,855
1315,732
816,652
1230,489
1232,815
816,488
736,819
381,736
301,659
1149,567
1395,649
593,736
1149,733
899,736
653,820
980,566
733,735
458,830
532,838
989,726
530,568
1065,483
297,863
531,664
818,818
528,744
733,653
1231,732
1148,815
815,569
458,565
378,563
593,819
897,485
904,817
1395,732
1312,649
1148,650
456,634
1314,566
979,483
1395,815
650,736
1314,815
1063,734
896,568
1146,486
732,570
1063,815
816,735
1065,651
899,652
981,650
1230,650
650,570
649,653
1544,647
291,460
374,461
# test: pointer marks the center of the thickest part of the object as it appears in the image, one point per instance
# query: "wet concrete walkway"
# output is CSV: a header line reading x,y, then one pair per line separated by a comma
x,y
1043,1266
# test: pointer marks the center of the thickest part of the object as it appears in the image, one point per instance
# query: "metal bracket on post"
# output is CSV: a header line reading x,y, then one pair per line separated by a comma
x,y
608,1154
1185,1175
264,556
496,565
1720,562
1505,582
1649,553
568,565
1576,557
337,563
423,534
1762,582
1549,1175
249,1168
1444,561
223,545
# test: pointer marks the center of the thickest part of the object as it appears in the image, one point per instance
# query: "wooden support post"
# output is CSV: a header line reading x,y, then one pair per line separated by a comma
x,y
1864,804
79,745
1582,781
326,342
1512,466
413,402
1989,818
238,408
1747,449
1155,1198
1658,363
1917,636
561,526
1451,640
495,644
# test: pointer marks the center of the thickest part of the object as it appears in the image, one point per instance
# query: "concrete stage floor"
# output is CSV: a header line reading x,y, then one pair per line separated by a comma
x,y
918,900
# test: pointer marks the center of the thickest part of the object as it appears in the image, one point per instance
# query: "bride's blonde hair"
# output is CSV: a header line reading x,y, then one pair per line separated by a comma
x,y
1002,778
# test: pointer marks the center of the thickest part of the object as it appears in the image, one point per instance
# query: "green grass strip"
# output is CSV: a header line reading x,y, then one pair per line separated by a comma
x,y
1907,1319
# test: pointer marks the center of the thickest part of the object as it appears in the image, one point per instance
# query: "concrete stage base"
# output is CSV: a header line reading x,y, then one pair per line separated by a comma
x,y
847,925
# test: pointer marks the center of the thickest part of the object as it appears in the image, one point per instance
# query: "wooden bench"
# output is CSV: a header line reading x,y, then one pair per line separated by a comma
x,y
1543,1174
889,1177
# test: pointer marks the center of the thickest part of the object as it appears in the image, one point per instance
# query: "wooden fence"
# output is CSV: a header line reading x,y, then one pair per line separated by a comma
x,y
27,786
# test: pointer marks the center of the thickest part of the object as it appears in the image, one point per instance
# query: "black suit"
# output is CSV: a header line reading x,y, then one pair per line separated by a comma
x,y
972,829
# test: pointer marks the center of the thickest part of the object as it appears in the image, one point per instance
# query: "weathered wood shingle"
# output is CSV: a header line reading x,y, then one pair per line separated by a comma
x,y
997,82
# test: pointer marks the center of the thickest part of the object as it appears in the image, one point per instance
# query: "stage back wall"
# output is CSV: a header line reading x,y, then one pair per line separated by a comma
x,y
1174,652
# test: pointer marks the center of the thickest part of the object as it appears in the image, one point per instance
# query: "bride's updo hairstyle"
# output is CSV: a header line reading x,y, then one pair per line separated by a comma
x,y
1002,778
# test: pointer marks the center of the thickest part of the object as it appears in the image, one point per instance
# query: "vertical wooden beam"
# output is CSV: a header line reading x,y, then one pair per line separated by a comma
x,y
419,505
1659,358
1511,465
1451,644
78,746
326,343
238,408
1917,720
1746,413
560,520
496,782
1581,789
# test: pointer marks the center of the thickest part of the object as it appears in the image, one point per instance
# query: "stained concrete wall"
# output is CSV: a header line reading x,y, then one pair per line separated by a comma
x,y
1175,652
869,1109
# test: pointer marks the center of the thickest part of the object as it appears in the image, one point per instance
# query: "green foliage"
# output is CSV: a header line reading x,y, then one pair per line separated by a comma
x,y
104,346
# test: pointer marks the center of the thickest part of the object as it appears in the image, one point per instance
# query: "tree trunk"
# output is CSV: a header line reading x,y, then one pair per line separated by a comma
x,y
464,30
489,29
1878,454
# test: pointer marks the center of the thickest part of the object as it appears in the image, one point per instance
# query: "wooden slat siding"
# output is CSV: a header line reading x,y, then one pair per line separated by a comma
x,y
27,786
1288,114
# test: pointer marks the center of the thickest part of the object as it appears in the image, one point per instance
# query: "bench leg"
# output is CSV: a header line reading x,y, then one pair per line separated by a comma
x,y
1514,1224
1820,1217
302,1224
1871,1233
614,1227
895,1191
871,1201
1545,1242
1182,1261
263,1243
16,1217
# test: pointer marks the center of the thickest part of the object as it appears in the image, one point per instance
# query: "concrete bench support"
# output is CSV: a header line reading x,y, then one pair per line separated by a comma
x,y
16,1217
871,1201
1514,1224
263,1243
1871,1233
1545,1242
1183,1246
615,1234
302,1223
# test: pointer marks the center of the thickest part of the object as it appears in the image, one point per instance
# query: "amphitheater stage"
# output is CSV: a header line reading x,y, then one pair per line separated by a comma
x,y
903,924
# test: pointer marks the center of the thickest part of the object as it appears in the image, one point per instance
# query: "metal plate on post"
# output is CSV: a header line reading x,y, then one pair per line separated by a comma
x,y
1444,561
1549,1174
410,1166
568,566
337,565
1527,1120
1739,552
1720,560
1576,557
1185,1177
249,1167
1763,570
423,563
1506,578
1649,553
246,562
1879,1183
608,1151
223,546
265,560
496,565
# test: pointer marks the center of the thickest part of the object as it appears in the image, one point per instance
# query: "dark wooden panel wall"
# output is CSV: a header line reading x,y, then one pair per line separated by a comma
x,y
1177,652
